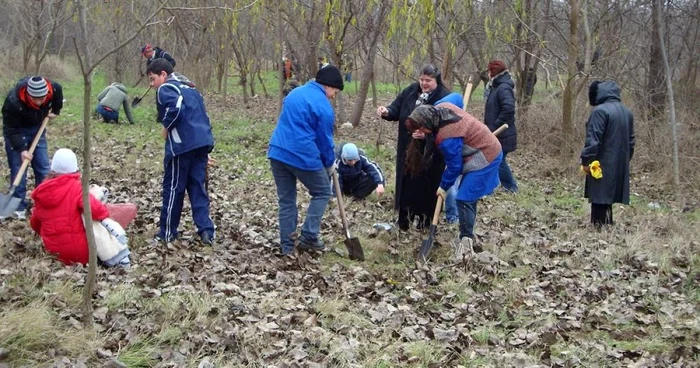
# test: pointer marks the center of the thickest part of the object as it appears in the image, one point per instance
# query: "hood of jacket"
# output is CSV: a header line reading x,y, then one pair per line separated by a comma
x,y
503,78
607,91
180,78
119,86
52,192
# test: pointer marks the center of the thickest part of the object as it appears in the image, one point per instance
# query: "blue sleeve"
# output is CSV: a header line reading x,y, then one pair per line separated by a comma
x,y
169,101
451,149
372,169
324,136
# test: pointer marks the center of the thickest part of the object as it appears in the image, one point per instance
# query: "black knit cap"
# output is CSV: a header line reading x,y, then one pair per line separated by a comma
x,y
330,76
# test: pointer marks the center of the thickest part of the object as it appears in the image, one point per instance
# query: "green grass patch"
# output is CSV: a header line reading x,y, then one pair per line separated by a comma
x,y
29,332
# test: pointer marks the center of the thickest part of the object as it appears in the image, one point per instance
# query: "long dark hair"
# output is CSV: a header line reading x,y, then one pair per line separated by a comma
x,y
419,155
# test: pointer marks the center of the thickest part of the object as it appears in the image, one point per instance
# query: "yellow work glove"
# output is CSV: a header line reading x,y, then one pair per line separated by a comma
x,y
593,169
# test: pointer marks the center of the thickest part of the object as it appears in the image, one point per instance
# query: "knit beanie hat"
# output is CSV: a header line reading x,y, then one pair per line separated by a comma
x,y
330,76
36,87
453,98
350,152
496,67
64,162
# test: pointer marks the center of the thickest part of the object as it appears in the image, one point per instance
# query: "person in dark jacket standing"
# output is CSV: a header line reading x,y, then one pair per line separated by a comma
x,y
411,188
500,109
610,141
301,148
151,53
25,107
188,141
358,176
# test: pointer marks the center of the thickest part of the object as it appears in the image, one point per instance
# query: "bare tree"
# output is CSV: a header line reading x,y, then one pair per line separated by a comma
x,y
85,58
671,103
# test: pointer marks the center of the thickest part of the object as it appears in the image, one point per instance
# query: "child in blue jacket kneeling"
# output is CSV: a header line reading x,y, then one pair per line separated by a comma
x,y
358,176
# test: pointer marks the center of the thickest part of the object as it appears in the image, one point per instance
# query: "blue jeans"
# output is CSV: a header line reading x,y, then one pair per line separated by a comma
x,y
185,173
107,115
451,213
506,176
40,163
467,218
320,189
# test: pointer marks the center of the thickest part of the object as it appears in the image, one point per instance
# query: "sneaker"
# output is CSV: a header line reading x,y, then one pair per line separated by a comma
x,y
461,248
316,245
207,239
160,239
21,215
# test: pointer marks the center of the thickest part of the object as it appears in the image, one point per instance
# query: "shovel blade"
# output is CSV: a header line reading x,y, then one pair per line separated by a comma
x,y
8,204
424,252
426,246
354,248
136,101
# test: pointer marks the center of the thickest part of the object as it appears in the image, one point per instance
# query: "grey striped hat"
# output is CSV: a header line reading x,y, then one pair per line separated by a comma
x,y
36,87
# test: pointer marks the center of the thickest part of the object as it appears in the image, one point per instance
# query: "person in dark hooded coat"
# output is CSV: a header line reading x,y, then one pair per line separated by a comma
x,y
609,140
413,192
500,109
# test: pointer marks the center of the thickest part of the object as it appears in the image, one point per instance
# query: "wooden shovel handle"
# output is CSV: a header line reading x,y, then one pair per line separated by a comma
x,y
341,207
438,210
500,129
25,163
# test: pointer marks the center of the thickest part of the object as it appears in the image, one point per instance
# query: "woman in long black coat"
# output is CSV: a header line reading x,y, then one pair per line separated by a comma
x,y
415,192
609,140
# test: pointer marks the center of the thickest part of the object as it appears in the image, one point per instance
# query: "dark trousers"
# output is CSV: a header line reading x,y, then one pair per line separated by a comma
x,y
108,115
185,173
467,218
319,188
40,163
361,188
601,214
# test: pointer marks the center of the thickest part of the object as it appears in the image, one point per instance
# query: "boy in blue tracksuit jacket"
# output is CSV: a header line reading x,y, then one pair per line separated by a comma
x,y
188,141
301,148
358,176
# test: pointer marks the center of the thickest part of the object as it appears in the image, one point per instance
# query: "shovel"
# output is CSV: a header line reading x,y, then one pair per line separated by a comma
x,y
8,203
137,100
353,245
427,244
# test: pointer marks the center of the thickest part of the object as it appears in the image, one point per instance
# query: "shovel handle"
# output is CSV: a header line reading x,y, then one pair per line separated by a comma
x,y
500,129
25,163
438,210
144,94
341,207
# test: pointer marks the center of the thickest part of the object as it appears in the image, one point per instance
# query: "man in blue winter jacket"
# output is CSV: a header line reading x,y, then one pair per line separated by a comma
x,y
188,141
301,148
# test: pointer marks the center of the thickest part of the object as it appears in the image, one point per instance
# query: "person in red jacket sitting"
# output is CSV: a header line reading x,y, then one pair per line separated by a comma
x,y
58,210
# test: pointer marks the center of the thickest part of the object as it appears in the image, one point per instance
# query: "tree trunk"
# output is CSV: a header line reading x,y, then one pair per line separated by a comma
x,y
568,95
671,102
655,83
89,287
368,69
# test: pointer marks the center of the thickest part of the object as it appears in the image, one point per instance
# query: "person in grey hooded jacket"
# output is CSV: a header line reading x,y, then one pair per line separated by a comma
x,y
110,101
610,141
